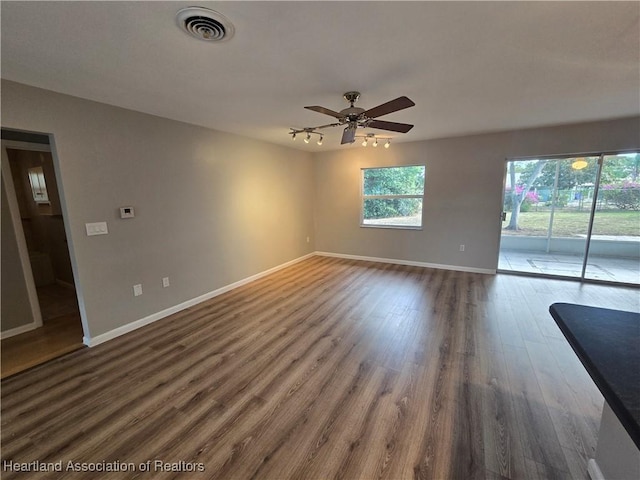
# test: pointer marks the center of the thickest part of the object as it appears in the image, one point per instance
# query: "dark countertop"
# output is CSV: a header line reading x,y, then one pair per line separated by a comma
x,y
607,343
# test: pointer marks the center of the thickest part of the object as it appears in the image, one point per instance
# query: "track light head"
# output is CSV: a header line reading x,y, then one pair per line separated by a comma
x,y
307,138
375,141
320,139
293,136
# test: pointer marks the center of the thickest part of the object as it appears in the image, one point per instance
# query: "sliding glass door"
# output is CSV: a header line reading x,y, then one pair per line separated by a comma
x,y
614,247
573,217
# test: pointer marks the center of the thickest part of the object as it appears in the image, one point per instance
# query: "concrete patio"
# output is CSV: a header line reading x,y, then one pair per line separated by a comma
x,y
599,267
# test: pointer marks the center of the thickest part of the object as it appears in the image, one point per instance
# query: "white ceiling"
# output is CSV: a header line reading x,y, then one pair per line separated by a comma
x,y
470,67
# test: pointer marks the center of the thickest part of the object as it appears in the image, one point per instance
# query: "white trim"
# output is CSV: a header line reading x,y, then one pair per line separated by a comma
x,y
129,327
594,470
18,145
394,227
457,268
18,330
23,251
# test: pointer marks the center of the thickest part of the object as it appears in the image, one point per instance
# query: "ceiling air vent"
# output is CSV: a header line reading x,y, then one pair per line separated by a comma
x,y
205,24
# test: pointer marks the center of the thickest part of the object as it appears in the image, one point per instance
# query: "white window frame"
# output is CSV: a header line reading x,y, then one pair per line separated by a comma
x,y
364,197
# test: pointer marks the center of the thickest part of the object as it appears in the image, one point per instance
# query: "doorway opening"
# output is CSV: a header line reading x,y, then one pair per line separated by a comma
x,y
40,313
573,217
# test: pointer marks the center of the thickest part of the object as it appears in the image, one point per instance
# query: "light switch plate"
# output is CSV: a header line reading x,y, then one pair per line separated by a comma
x,y
98,228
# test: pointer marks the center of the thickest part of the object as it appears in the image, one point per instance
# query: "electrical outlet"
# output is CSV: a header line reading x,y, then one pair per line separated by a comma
x,y
127,212
462,248
137,290
165,282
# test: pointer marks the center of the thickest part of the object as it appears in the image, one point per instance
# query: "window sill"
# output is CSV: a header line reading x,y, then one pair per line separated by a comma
x,y
392,227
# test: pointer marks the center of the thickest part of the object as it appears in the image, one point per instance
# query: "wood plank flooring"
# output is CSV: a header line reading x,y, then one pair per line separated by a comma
x,y
60,333
54,339
330,368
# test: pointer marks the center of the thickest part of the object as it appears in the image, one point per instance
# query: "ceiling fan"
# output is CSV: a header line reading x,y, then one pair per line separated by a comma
x,y
354,117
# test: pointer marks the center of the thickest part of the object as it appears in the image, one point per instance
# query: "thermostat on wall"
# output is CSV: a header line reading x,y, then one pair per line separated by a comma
x,y
127,212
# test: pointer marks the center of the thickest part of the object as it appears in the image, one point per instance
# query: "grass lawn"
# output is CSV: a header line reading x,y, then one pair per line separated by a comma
x,y
572,223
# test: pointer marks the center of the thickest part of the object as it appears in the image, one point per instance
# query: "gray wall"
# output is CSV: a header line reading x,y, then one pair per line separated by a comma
x,y
211,208
15,309
214,208
463,196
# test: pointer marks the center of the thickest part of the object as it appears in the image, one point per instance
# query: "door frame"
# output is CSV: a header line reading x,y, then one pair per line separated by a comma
x,y
582,278
16,220
20,236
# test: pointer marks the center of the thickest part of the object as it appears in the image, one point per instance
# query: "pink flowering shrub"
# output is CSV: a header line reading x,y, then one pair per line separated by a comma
x,y
529,199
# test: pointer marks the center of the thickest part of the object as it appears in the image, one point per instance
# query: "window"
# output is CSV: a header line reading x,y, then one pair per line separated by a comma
x,y
392,197
38,185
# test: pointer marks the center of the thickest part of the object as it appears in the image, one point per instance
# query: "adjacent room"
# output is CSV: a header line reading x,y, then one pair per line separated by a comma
x,y
312,240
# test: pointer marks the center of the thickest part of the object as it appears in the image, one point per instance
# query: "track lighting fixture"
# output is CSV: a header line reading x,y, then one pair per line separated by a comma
x,y
308,132
366,139
375,140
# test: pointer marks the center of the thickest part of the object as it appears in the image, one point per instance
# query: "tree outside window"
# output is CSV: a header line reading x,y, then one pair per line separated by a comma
x,y
393,196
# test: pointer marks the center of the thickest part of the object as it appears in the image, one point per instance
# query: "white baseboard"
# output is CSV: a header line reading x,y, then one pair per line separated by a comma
x,y
18,330
594,470
129,327
457,268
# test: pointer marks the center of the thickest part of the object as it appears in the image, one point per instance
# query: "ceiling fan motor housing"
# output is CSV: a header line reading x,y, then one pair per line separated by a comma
x,y
351,97
352,113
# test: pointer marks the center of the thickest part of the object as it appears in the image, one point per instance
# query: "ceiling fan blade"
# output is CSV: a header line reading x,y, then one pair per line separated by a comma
x,y
326,111
349,135
392,126
399,103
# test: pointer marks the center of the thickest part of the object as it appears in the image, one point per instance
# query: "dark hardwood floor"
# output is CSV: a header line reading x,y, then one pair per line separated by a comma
x,y
329,368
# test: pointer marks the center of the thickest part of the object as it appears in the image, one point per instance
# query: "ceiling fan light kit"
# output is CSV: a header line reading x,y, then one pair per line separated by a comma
x,y
355,117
